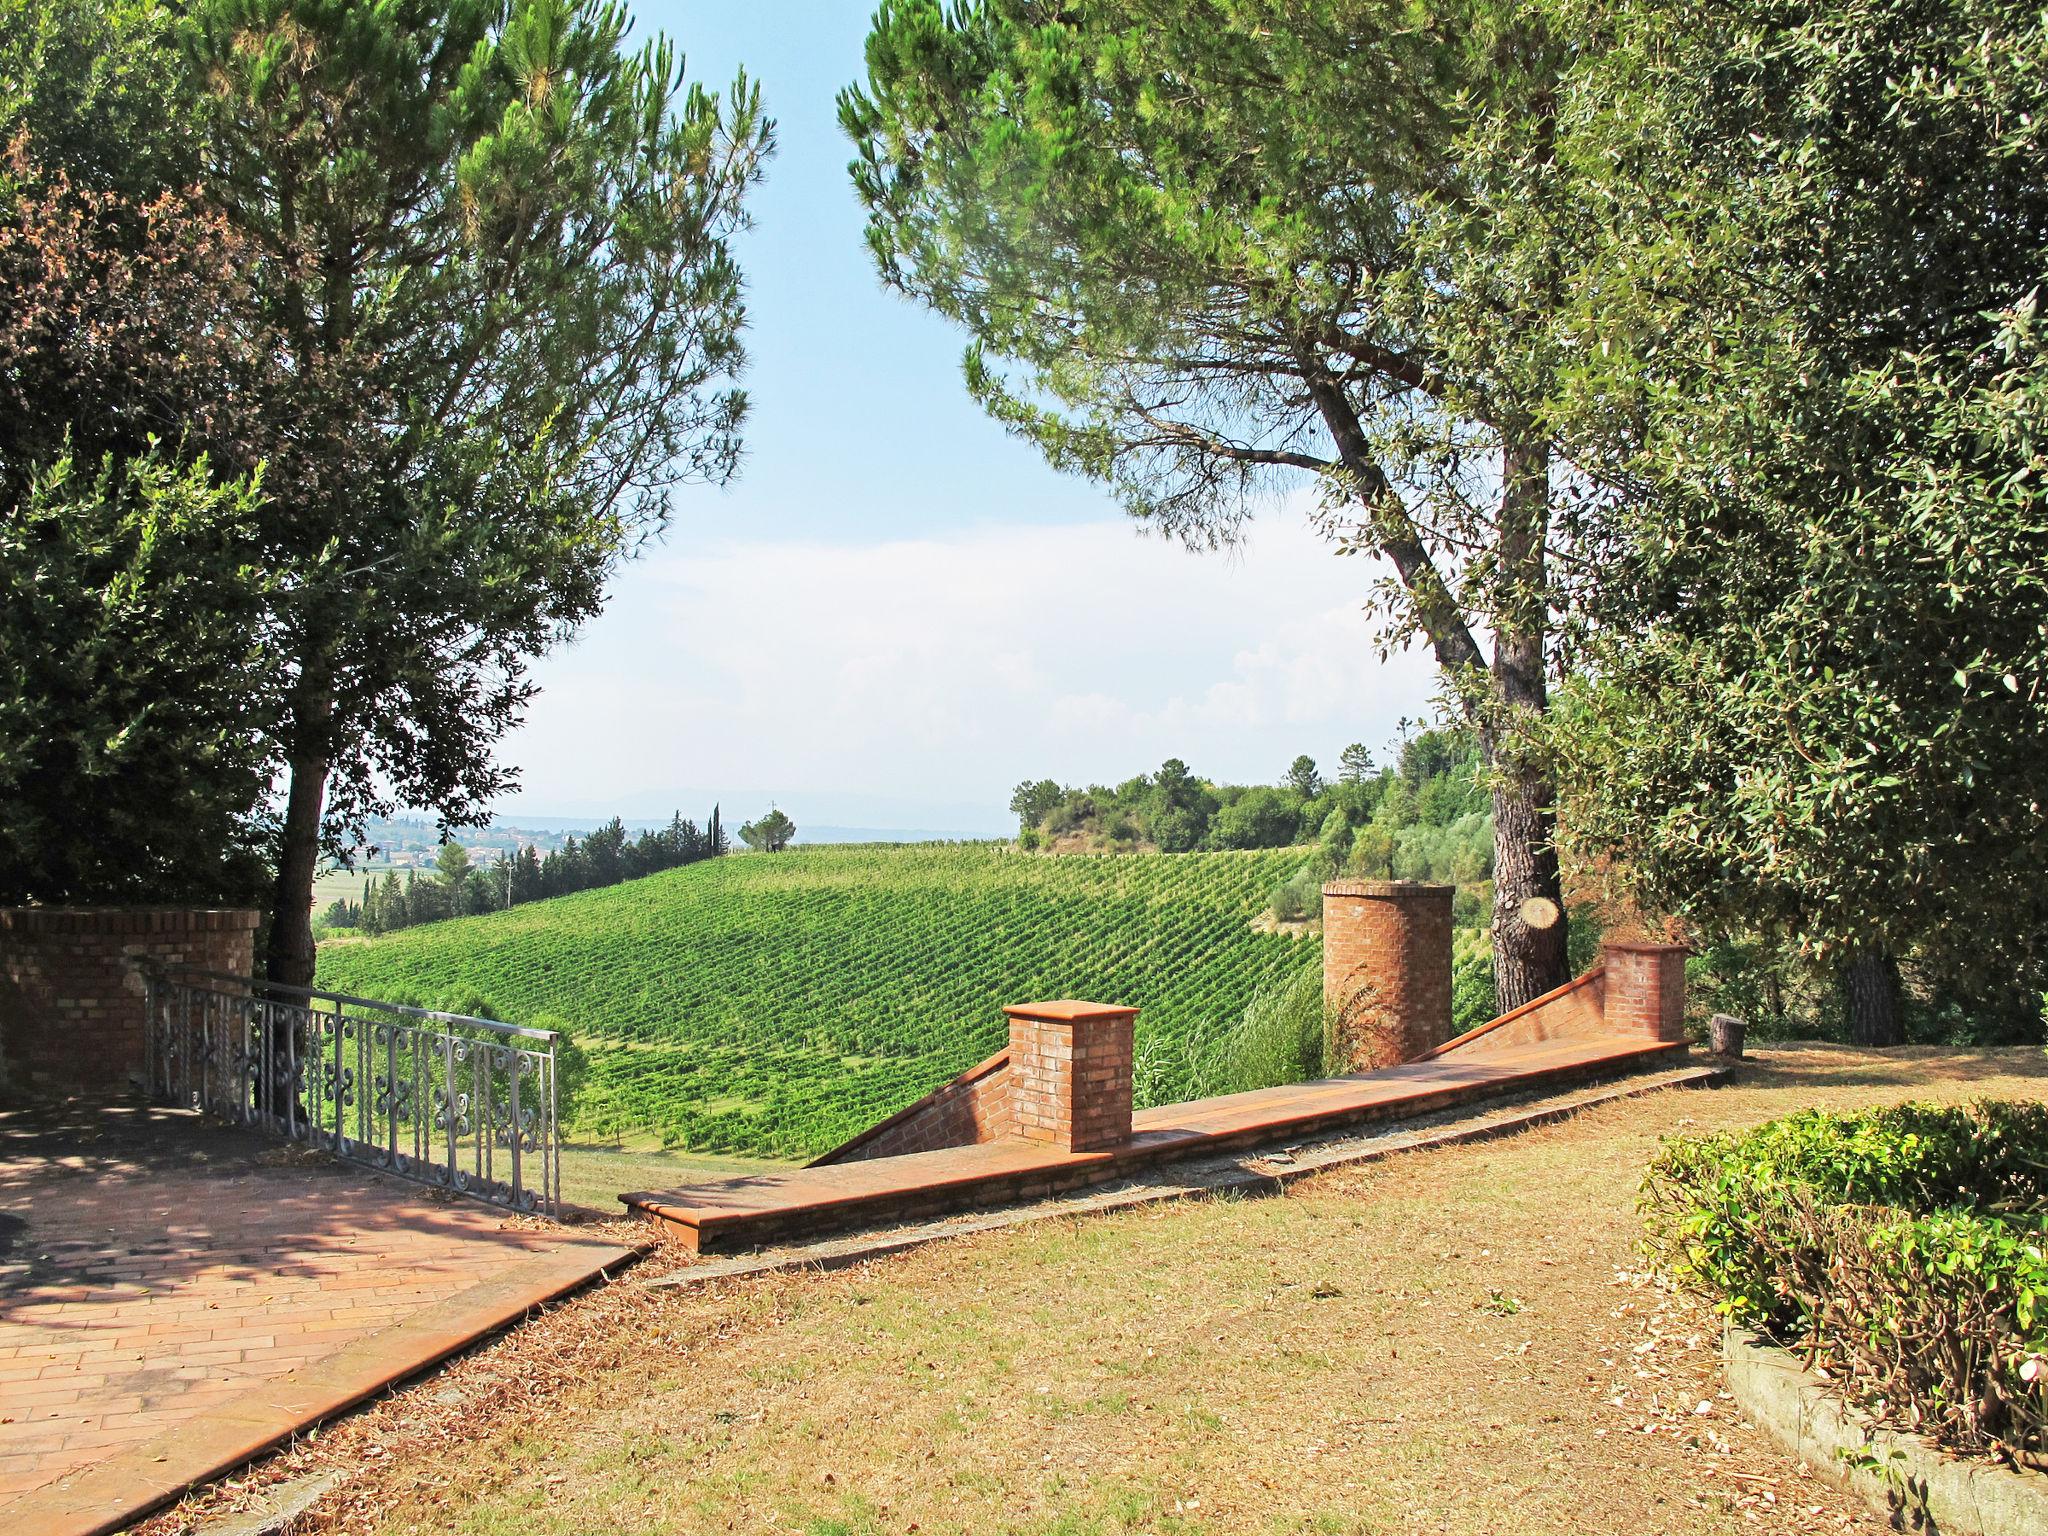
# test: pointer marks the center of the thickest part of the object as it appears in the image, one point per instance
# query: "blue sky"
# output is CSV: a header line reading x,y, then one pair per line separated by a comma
x,y
898,611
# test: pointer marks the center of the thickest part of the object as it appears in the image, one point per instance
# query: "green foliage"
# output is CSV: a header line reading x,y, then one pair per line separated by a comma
x,y
1304,778
495,241
771,834
98,88
1279,1040
1474,998
1260,817
1907,1245
1183,243
1948,1312
779,1005
138,640
1710,1198
136,667
1808,373
605,857
457,276
1034,801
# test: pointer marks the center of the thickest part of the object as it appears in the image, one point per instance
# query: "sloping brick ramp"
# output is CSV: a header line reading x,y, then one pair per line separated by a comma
x,y
1253,1172
723,1215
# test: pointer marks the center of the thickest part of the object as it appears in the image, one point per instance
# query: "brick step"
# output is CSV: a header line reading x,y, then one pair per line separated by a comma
x,y
730,1214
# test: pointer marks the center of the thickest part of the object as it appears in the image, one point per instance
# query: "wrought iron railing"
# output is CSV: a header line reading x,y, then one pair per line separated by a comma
x,y
463,1104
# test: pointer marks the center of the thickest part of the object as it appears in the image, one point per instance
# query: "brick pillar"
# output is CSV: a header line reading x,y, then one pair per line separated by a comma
x,y
71,1004
1386,971
1644,989
1070,1074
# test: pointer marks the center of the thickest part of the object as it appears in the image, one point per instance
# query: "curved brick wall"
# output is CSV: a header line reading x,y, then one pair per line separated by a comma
x,y
1645,989
71,1008
1386,971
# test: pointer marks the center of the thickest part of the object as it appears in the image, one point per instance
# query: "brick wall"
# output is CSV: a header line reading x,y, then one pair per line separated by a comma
x,y
1645,990
71,1002
1386,971
1573,1011
974,1107
1070,1074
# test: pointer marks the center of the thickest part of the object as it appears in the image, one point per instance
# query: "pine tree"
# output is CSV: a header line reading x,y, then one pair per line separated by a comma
x,y
1186,243
528,880
391,912
496,245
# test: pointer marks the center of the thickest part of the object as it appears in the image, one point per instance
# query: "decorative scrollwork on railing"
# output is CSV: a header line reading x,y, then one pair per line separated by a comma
x,y
467,1105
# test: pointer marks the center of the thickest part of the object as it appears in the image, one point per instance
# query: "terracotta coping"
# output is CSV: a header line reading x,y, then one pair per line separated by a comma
x,y
1386,888
1514,1013
1068,1012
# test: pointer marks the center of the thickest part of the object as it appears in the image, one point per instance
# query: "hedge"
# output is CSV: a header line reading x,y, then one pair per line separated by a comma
x,y
1904,1250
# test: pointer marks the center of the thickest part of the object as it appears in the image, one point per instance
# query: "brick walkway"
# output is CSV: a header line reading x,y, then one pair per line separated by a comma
x,y
784,1204
157,1271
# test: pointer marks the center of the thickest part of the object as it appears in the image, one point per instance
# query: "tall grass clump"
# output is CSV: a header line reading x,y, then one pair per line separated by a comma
x,y
1277,1039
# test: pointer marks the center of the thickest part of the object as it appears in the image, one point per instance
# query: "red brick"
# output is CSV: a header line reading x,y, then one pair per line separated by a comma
x,y
71,998
1070,1074
1386,971
1645,990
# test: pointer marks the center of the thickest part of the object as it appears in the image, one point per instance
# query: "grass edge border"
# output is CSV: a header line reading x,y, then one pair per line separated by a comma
x,y
1894,1472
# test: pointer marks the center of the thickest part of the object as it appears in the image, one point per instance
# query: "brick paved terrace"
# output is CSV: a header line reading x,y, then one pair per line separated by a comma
x,y
175,1293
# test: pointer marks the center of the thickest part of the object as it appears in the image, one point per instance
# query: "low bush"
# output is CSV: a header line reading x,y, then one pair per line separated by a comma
x,y
1475,997
1278,1040
1904,1250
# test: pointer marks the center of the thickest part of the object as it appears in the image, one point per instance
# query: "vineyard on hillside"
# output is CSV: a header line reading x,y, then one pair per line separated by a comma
x,y
776,1004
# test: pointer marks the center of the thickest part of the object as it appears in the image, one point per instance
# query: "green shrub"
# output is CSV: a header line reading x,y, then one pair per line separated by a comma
x,y
1475,998
1285,904
1299,896
1902,1246
1278,1040
1943,1318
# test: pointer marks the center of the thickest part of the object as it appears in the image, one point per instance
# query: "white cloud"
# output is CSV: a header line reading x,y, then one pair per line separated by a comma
x,y
917,677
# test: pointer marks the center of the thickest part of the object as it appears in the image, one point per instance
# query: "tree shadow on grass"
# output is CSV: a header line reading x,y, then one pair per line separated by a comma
x,y
1819,1064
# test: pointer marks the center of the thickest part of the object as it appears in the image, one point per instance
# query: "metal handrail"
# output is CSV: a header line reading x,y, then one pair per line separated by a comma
x,y
496,1026
431,1097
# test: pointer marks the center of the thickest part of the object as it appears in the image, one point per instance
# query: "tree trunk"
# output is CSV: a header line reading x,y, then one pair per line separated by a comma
x,y
1530,932
289,955
1530,929
1870,997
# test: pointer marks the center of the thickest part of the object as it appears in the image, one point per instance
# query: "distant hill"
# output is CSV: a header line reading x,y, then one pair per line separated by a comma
x,y
776,1004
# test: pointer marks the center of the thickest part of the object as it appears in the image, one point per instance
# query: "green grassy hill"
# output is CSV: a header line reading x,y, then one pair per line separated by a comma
x,y
777,1004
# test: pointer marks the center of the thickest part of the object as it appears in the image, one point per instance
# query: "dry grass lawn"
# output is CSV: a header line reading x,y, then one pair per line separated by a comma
x,y
1449,1341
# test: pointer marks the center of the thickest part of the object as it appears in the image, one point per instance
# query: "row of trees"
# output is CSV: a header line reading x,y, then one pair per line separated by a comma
x,y
1433,780
1683,352
463,888
345,352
